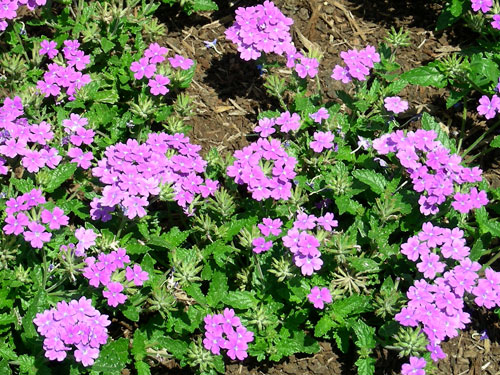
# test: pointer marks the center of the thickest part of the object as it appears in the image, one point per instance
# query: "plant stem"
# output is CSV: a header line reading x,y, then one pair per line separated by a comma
x,y
462,129
490,262
481,137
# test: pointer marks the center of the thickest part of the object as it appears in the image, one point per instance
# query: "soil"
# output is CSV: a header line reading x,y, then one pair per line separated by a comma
x,y
229,95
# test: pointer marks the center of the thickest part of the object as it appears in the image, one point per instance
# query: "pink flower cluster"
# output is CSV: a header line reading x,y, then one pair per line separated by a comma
x,y
436,176
266,168
225,331
358,64
395,104
322,140
69,77
21,214
484,6
132,172
19,138
107,270
147,67
287,122
305,246
439,305
267,228
260,28
8,9
75,325
78,136
318,297
415,367
263,28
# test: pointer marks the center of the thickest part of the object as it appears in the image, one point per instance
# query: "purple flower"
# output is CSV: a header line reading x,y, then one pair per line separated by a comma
x,y
489,108
430,265
288,122
158,85
321,114
305,221
74,123
36,235
15,224
113,294
265,127
86,239
322,140
270,226
155,53
80,158
137,275
260,245
85,136
180,62
308,264
327,222
318,297
340,73
483,5
496,24
415,367
48,48
307,67
143,68
395,104
55,219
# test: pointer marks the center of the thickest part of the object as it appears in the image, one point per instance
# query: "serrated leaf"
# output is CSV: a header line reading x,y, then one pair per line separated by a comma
x,y
323,326
342,339
59,175
346,204
194,290
374,180
139,345
6,319
218,288
170,240
113,357
352,305
242,300
142,368
131,312
24,185
486,225
297,343
449,15
5,368
106,96
425,76
220,252
176,347
395,87
37,304
365,335
366,366
484,68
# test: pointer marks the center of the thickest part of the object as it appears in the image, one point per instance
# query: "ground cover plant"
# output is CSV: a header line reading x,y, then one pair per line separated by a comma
x,y
338,220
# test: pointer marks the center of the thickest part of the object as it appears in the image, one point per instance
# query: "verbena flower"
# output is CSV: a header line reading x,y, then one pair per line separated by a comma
x,y
358,64
415,367
318,297
482,5
77,326
395,104
179,61
489,107
322,140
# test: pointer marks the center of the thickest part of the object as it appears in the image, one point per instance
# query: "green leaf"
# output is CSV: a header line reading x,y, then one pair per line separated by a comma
x,y
323,326
204,5
395,87
450,14
38,303
142,368
59,175
176,347
495,142
218,288
194,290
171,240
242,300
374,180
24,185
297,343
365,335
106,45
131,312
428,123
106,96
352,305
113,357
6,319
139,345
425,76
366,366
220,251
5,368
342,339
486,224
484,68
346,204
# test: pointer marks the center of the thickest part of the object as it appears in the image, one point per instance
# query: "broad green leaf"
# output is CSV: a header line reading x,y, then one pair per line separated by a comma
x,y
342,339
131,312
425,76
486,224
484,68
366,366
218,288
297,343
59,175
450,14
5,368
106,44
176,347
38,303
349,205
204,5
395,87
6,319
194,290
323,326
23,186
365,335
142,368
374,180
171,240
242,300
106,96
113,357
352,305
